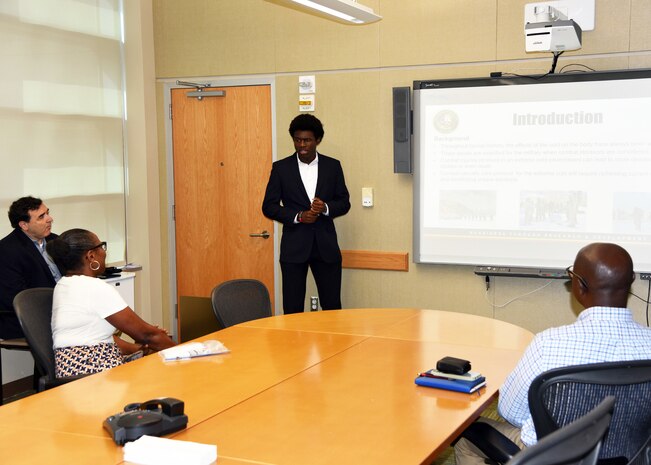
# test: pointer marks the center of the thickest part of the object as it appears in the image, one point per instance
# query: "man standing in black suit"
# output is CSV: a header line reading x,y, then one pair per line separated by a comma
x,y
306,192
24,264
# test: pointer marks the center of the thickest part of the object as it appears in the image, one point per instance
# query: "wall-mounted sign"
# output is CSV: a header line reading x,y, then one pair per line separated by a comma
x,y
306,102
306,84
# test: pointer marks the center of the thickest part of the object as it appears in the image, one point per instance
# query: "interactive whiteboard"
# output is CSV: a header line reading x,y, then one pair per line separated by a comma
x,y
519,171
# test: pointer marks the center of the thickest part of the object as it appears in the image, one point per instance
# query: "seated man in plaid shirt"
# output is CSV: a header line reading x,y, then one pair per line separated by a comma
x,y
605,331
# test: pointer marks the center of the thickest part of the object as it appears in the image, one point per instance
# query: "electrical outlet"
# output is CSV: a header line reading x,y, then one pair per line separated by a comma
x,y
645,276
314,303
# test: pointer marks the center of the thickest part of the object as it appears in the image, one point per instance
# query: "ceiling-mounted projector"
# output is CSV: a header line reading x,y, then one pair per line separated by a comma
x,y
552,36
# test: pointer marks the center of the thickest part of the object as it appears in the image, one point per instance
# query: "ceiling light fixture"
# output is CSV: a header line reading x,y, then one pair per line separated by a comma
x,y
347,10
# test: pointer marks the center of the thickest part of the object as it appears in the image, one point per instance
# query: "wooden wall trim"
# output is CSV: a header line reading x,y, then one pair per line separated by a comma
x,y
375,260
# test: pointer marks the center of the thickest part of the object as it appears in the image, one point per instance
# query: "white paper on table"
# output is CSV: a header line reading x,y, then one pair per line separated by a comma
x,y
193,349
152,450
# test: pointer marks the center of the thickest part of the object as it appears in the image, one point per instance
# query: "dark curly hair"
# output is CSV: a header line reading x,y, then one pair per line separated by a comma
x,y
307,122
19,210
69,248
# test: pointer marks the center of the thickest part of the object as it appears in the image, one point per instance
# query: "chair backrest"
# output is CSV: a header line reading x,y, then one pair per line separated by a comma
x,y
34,311
560,396
240,300
577,443
643,457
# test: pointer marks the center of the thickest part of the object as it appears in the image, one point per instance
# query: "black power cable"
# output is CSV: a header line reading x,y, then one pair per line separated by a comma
x,y
554,61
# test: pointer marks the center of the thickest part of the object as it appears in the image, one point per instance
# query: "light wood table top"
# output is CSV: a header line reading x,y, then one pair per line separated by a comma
x,y
405,323
320,387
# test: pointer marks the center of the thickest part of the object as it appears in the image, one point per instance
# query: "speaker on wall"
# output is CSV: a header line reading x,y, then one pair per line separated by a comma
x,y
401,130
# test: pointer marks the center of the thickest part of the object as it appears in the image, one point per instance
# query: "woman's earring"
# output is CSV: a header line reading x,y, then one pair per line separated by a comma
x,y
98,265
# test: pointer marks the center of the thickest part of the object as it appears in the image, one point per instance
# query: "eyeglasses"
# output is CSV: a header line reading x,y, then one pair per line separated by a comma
x,y
573,275
101,244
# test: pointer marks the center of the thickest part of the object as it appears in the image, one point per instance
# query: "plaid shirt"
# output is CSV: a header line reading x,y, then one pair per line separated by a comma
x,y
600,334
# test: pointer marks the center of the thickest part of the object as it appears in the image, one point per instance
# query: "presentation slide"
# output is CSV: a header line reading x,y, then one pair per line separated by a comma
x,y
525,173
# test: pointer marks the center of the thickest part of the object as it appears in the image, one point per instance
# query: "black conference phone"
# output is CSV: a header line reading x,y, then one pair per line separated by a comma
x,y
110,272
155,417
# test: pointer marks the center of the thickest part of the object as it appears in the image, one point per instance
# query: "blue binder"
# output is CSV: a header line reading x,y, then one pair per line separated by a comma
x,y
452,384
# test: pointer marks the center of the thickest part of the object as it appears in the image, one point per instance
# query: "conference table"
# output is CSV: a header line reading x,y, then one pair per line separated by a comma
x,y
327,387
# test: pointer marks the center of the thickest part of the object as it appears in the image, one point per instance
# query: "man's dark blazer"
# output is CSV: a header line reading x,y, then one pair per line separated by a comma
x,y
286,196
21,267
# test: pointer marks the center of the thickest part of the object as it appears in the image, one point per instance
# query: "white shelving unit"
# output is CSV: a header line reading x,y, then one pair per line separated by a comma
x,y
125,284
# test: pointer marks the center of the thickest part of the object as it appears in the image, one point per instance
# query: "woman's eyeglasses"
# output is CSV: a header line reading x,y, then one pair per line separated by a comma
x,y
573,275
101,244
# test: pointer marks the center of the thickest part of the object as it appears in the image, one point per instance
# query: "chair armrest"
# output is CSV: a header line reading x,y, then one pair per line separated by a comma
x,y
44,383
491,442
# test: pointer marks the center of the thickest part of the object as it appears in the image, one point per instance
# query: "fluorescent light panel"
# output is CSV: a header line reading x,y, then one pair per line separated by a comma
x,y
343,9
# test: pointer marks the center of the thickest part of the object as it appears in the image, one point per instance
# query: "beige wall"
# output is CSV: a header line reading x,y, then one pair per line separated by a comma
x,y
355,68
143,236
143,230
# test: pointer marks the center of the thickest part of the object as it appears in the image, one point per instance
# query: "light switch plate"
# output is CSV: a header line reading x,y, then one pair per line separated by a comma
x,y
367,196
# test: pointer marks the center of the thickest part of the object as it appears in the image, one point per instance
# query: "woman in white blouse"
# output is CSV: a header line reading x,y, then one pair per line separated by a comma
x,y
88,313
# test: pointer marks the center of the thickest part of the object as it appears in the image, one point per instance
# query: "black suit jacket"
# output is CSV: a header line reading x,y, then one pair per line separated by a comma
x,y
286,196
21,267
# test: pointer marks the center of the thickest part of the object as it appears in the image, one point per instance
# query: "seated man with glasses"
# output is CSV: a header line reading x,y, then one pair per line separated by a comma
x,y
86,311
605,331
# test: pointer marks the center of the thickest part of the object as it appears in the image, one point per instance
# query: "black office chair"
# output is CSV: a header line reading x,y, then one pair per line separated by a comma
x,y
11,344
15,344
562,395
577,443
34,311
643,457
240,300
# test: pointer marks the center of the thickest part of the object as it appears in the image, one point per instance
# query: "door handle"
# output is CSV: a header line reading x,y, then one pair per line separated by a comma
x,y
264,234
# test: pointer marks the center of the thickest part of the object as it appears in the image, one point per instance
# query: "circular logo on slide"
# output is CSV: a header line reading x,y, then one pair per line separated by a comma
x,y
446,121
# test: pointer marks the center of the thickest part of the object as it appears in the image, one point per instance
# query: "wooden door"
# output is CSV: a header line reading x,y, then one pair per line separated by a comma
x,y
222,159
